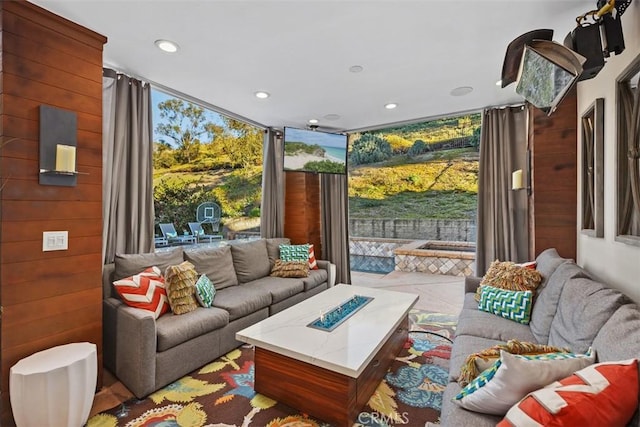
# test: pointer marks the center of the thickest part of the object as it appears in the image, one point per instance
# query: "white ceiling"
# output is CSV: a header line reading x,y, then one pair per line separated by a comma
x,y
413,52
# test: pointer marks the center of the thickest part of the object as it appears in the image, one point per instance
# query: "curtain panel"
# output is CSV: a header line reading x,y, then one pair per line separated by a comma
x,y
272,205
502,226
127,181
334,221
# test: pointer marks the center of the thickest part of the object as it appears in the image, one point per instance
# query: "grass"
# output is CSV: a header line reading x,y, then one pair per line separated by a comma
x,y
434,185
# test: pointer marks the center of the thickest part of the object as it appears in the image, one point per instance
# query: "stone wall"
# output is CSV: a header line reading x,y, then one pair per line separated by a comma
x,y
456,230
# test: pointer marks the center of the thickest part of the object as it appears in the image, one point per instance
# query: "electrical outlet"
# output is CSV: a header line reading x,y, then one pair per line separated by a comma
x,y
55,241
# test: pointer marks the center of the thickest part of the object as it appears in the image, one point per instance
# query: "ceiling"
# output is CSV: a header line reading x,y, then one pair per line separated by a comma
x,y
412,53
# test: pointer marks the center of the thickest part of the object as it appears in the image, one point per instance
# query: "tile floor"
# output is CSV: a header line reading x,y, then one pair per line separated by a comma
x,y
438,293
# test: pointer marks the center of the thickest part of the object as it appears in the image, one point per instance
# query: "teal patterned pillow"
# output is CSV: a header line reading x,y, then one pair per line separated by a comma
x,y
512,305
294,252
205,291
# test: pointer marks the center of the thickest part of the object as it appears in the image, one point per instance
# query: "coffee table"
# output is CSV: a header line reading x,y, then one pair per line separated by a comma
x,y
329,374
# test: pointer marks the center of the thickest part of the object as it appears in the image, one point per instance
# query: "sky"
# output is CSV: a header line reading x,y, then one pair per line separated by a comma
x,y
315,137
158,97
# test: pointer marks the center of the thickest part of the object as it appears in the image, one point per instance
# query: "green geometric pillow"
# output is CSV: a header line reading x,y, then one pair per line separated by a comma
x,y
512,305
294,252
205,291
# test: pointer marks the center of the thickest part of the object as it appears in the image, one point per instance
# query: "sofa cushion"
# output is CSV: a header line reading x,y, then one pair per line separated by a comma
x,y
273,248
288,269
464,345
315,278
507,275
546,264
242,300
585,305
279,288
482,324
619,337
598,395
513,376
205,291
145,290
173,330
180,281
470,301
216,263
129,264
512,305
546,303
456,416
251,260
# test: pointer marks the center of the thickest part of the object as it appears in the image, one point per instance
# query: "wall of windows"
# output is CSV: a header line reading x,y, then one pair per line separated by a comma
x,y
201,156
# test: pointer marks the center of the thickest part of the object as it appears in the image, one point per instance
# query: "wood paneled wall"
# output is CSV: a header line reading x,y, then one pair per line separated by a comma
x,y
554,144
48,298
302,209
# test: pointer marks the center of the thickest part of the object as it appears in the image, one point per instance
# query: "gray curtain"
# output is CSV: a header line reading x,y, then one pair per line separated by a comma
x,y
502,228
334,222
272,206
127,181
629,160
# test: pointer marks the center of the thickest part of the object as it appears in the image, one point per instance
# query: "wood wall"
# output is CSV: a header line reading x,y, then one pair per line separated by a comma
x,y
302,209
553,205
48,298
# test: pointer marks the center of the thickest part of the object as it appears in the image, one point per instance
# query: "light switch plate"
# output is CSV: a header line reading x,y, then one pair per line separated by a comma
x,y
55,241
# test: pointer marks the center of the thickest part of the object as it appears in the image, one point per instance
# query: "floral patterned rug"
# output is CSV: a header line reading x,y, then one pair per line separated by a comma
x,y
221,393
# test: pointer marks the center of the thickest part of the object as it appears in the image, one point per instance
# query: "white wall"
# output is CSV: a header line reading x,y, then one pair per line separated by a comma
x,y
615,263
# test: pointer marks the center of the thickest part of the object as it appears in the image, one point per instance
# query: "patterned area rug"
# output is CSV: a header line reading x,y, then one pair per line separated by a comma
x,y
221,393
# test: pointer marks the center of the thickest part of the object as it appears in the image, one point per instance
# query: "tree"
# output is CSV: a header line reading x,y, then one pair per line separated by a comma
x,y
242,143
186,124
369,149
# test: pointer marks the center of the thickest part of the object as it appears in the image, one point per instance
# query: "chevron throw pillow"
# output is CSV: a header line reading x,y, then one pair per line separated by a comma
x,y
604,394
512,305
145,290
205,291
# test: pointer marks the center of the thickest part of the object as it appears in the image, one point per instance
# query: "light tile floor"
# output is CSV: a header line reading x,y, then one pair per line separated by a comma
x,y
437,293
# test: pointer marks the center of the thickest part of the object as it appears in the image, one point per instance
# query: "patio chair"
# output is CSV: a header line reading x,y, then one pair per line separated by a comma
x,y
199,233
171,235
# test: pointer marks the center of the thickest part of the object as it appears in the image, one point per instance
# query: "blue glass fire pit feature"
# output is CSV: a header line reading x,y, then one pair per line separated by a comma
x,y
333,318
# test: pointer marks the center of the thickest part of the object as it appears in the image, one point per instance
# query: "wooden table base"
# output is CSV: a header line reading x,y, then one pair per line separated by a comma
x,y
319,392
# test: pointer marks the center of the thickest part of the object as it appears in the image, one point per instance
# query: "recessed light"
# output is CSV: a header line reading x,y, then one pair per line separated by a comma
x,y
461,91
262,94
390,106
356,68
332,117
313,121
167,45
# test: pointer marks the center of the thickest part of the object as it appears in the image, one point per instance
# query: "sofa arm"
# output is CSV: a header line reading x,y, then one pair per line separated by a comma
x,y
471,283
110,308
136,344
331,271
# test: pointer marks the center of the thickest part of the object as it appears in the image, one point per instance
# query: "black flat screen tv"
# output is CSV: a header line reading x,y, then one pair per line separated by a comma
x,y
314,151
547,72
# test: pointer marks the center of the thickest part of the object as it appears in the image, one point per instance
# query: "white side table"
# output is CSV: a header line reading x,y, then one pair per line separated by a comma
x,y
54,387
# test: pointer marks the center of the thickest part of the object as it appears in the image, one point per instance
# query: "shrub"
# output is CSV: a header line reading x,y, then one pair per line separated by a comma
x,y
369,149
176,201
418,147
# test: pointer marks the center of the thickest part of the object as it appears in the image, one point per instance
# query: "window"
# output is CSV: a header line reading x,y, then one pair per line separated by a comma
x,y
201,156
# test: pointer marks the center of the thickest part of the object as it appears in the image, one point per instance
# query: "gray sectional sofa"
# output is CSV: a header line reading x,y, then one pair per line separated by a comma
x,y
571,310
147,354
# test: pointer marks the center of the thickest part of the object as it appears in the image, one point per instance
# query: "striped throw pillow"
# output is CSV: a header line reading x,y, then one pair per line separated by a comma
x,y
145,290
512,305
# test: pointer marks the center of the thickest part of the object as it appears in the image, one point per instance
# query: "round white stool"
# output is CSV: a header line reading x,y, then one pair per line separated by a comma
x,y
54,387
